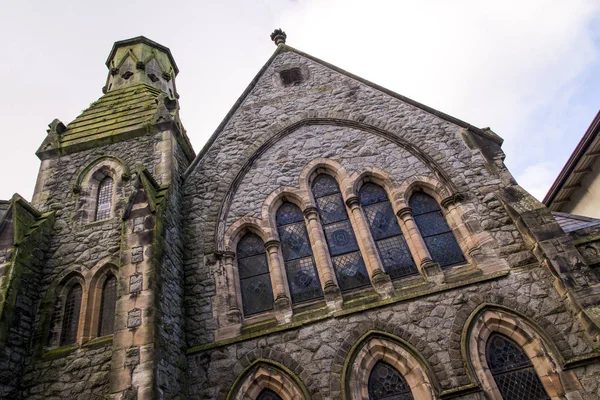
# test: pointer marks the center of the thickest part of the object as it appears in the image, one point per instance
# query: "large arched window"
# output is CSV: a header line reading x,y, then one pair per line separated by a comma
x,y
512,370
300,267
436,233
255,281
385,383
393,250
104,201
70,323
268,394
345,255
108,302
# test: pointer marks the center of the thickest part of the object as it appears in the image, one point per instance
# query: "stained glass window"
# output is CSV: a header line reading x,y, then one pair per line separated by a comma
x,y
300,267
106,320
347,261
71,315
512,370
268,394
386,383
104,204
393,250
253,269
436,233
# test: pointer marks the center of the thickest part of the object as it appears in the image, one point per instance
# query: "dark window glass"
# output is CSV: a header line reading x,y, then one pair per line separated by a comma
x,y
300,267
436,233
512,370
106,321
268,394
347,261
386,383
291,77
393,250
255,281
71,315
104,204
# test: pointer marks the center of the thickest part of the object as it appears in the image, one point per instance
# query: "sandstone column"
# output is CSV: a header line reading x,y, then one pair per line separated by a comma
x,y
282,300
233,312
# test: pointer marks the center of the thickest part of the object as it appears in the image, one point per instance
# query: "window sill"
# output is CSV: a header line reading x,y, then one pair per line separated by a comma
x,y
59,352
98,342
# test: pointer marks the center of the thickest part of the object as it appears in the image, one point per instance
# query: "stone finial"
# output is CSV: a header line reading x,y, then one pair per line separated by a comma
x,y
56,127
278,36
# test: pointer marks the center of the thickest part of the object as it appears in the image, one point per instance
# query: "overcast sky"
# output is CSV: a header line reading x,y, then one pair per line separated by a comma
x,y
529,69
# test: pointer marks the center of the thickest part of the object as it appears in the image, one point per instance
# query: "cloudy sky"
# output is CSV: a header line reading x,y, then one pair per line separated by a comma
x,y
529,69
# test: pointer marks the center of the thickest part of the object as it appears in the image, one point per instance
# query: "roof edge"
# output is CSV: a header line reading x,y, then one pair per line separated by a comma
x,y
590,134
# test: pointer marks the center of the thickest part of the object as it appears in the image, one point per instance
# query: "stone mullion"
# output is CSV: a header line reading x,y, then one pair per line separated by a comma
x,y
454,216
415,240
233,309
366,242
321,254
280,294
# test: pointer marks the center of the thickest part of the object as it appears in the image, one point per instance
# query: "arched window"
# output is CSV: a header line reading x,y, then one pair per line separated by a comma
x,y
108,302
512,370
70,323
104,203
436,233
255,281
300,267
393,250
385,383
268,394
345,255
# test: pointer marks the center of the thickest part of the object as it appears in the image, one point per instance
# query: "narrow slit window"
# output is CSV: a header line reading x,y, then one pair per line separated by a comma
x,y
386,383
108,302
434,229
393,250
300,267
291,77
255,280
104,204
347,261
71,315
512,370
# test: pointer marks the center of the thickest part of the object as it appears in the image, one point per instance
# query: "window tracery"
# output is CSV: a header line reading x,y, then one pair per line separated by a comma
x,y
303,279
70,323
386,383
389,240
512,370
434,229
345,255
107,306
255,281
104,203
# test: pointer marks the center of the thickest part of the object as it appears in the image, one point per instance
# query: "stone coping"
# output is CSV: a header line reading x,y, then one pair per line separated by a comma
x,y
63,351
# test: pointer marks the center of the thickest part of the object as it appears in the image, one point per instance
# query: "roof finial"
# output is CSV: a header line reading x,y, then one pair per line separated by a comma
x,y
278,36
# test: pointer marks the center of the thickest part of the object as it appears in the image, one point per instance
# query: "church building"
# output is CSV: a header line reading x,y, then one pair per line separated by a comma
x,y
332,240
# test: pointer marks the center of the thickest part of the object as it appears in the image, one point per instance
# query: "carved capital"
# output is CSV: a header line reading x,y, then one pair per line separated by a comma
x,y
272,244
452,199
353,201
228,255
404,212
310,212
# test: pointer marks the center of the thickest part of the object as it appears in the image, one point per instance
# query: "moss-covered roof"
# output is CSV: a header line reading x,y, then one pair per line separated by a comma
x,y
118,115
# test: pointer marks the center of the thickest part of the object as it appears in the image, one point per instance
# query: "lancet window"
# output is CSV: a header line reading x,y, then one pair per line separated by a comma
x,y
268,394
386,383
301,271
434,229
108,302
104,203
70,323
253,270
393,250
512,370
345,255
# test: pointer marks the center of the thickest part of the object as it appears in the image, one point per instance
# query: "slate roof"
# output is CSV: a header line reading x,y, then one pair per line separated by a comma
x,y
571,222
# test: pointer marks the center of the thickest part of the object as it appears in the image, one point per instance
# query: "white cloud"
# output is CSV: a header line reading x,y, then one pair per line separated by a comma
x,y
537,178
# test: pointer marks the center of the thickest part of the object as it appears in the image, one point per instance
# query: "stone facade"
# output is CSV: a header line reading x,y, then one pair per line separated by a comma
x,y
176,220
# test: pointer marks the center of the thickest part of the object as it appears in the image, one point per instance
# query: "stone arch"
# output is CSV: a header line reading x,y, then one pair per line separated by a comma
x,y
546,359
88,182
329,167
276,199
99,275
428,357
56,298
231,181
247,225
433,187
377,346
378,177
267,374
